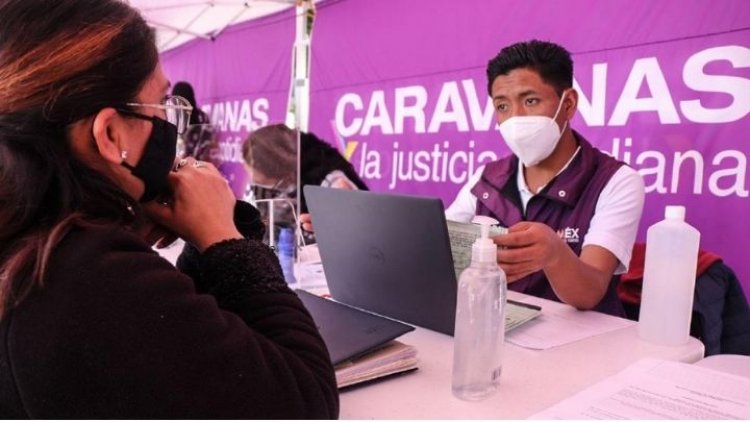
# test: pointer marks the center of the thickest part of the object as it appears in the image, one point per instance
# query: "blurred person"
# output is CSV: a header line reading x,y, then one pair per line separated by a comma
x,y
572,210
270,154
199,140
93,323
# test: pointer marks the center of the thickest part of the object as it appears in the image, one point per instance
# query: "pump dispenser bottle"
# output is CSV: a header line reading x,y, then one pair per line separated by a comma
x,y
480,320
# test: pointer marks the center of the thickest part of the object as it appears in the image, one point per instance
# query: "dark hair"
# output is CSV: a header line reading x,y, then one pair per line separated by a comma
x,y
551,61
185,90
60,61
272,150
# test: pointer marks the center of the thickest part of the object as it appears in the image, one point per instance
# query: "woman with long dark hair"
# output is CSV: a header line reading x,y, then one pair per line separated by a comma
x,y
199,140
93,323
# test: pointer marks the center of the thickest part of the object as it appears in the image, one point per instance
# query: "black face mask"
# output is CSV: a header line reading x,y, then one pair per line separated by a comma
x,y
158,156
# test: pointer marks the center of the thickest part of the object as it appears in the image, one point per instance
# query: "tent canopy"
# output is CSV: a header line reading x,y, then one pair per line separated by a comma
x,y
179,21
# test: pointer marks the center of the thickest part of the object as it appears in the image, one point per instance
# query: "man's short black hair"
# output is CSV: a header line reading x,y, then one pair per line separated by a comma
x,y
551,61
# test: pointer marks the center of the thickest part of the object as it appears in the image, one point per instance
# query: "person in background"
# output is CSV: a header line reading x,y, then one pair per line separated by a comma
x,y
572,210
199,140
93,323
270,154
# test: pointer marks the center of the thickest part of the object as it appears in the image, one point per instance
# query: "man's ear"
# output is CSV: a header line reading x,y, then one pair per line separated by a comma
x,y
571,103
107,131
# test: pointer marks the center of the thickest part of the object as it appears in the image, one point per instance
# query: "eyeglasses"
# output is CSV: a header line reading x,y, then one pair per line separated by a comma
x,y
176,108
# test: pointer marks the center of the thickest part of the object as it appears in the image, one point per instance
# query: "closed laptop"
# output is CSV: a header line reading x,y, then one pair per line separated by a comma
x,y
349,332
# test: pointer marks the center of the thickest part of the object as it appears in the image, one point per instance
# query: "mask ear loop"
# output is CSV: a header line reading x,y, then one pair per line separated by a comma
x,y
559,107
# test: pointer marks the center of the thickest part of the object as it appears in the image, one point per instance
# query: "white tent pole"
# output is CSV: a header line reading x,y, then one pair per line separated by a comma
x,y
298,114
299,104
302,56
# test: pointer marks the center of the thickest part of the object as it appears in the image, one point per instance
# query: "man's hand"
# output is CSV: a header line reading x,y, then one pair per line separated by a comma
x,y
579,281
527,248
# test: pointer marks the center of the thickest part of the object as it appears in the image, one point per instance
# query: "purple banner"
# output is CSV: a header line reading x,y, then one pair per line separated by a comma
x,y
664,86
241,80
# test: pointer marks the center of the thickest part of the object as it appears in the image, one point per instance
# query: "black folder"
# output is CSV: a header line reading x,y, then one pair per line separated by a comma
x,y
347,331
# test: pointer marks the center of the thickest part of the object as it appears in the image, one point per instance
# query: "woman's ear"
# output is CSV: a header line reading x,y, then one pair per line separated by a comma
x,y
107,131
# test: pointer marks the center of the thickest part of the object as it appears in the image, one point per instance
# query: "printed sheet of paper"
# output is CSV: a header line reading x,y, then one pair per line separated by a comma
x,y
309,270
564,324
519,313
659,389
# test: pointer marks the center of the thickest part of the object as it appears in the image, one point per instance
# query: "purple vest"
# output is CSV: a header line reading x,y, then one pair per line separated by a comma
x,y
566,204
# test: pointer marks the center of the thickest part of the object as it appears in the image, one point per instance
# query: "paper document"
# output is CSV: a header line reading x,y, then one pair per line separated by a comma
x,y
310,274
659,389
518,313
308,270
564,324
462,236
393,358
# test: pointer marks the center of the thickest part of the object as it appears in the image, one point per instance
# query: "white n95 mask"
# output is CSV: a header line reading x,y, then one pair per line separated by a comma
x,y
532,138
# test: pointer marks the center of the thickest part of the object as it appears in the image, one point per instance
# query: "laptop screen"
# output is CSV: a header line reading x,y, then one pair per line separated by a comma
x,y
386,253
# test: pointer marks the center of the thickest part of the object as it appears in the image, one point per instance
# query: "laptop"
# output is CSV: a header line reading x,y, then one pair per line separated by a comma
x,y
386,253
349,332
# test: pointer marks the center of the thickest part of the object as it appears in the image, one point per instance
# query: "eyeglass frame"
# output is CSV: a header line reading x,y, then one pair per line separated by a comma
x,y
186,109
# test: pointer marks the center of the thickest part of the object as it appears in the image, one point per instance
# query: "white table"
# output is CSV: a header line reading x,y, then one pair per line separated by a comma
x,y
531,380
731,364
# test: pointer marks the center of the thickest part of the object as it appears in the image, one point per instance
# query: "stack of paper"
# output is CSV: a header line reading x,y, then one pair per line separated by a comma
x,y
393,358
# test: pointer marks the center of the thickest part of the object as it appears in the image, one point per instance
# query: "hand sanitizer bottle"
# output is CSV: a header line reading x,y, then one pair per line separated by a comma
x,y
480,320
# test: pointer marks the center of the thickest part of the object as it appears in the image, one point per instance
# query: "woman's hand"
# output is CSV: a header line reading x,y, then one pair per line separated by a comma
x,y
201,210
154,234
305,221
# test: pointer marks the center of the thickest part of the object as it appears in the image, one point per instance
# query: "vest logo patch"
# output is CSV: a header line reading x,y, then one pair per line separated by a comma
x,y
569,234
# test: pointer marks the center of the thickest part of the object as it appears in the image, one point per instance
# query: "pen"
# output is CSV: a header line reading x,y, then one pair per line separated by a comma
x,y
525,305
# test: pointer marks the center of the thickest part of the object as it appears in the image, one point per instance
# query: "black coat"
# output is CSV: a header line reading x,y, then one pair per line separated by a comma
x,y
721,318
117,332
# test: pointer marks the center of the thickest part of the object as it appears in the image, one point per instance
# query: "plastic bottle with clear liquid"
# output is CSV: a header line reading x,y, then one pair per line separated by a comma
x,y
480,321
180,149
669,279
286,254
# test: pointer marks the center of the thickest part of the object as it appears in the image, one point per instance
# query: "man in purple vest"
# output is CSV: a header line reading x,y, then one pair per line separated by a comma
x,y
572,211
